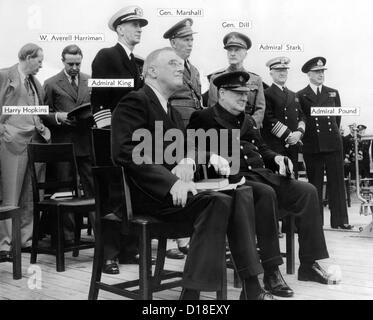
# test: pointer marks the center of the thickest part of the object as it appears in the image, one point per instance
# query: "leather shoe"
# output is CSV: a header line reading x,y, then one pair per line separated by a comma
x,y
275,284
345,227
175,254
315,273
110,267
132,260
6,256
185,249
262,295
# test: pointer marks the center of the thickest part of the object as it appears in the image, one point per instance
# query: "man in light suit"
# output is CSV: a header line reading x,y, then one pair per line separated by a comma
x,y
166,189
19,87
67,91
117,62
237,44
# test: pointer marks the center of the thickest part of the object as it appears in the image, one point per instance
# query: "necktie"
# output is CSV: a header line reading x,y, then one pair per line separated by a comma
x,y
169,110
30,91
186,66
318,91
73,84
132,57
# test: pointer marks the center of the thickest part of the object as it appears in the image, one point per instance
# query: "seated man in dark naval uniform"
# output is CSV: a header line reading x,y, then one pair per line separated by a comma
x,y
275,195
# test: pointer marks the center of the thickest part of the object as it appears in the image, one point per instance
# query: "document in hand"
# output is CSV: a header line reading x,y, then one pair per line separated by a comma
x,y
212,184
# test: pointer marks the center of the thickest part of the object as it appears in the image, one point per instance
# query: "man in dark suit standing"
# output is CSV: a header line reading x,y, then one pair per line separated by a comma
x,y
117,62
322,142
67,93
283,125
271,191
165,188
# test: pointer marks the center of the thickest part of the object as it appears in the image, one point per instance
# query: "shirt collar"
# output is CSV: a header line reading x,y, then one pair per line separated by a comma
x,y
128,51
161,98
314,88
236,121
281,87
21,74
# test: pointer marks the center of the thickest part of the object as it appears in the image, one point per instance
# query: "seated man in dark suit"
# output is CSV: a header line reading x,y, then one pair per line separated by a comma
x,y
165,188
272,192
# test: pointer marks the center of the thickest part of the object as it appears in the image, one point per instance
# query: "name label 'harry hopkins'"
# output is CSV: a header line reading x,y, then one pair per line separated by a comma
x,y
335,111
111,83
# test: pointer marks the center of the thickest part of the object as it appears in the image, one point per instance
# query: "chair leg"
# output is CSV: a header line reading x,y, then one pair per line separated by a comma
x,y
290,250
98,261
16,247
222,294
159,266
145,288
78,227
60,255
35,236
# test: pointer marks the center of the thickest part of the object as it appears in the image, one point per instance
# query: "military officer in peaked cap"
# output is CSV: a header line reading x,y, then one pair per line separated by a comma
x,y
237,44
271,191
118,62
188,98
284,123
322,142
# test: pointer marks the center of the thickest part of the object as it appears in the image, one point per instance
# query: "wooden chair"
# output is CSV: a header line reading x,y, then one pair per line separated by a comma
x,y
101,147
113,197
11,212
58,207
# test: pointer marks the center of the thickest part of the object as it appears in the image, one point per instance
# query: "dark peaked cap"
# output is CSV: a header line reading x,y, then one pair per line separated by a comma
x,y
234,81
314,64
180,29
81,112
236,39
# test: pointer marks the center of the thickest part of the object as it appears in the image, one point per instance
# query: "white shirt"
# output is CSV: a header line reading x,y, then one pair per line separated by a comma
x,y
281,87
314,88
160,97
128,51
23,77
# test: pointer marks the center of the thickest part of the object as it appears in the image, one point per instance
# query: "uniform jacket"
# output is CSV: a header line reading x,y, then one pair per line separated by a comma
x,y
256,101
61,97
322,132
18,130
282,116
112,63
151,182
188,98
254,153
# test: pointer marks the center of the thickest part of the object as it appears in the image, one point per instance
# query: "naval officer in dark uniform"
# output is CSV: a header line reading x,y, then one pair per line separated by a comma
x,y
272,192
118,62
322,142
283,125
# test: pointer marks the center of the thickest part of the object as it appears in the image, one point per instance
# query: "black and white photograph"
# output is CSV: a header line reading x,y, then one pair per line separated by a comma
x,y
186,150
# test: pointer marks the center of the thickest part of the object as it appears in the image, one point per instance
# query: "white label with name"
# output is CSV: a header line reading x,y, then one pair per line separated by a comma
x,y
287,47
66,37
237,24
108,83
173,12
25,110
334,111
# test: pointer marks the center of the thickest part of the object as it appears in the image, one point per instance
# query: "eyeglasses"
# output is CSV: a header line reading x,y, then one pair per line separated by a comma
x,y
71,64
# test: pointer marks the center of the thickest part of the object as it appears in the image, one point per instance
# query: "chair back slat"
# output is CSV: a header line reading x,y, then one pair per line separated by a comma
x,y
101,147
53,153
112,194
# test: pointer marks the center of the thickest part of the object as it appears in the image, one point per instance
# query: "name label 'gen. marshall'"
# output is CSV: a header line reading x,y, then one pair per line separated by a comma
x,y
335,111
196,12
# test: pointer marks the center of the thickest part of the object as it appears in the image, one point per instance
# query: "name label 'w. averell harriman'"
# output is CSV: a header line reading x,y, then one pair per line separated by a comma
x,y
335,111
108,83
181,12
66,37
25,110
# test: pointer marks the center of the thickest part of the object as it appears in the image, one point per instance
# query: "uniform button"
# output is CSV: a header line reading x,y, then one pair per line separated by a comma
x,y
249,167
286,117
101,107
328,117
284,109
296,109
260,156
245,157
330,129
329,123
238,122
252,141
264,166
317,124
316,119
318,130
241,147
